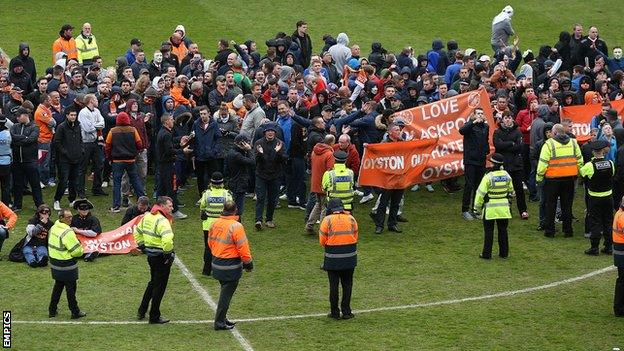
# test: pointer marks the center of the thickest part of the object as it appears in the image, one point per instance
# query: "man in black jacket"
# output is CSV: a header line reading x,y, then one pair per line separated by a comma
x,y
476,148
301,37
166,154
140,208
270,159
20,78
24,137
240,162
68,150
27,61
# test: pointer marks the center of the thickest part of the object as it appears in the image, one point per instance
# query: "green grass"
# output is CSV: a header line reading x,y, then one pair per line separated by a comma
x,y
434,259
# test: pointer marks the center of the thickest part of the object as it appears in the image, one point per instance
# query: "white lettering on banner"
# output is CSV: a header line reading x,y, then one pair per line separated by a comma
x,y
443,129
386,162
440,108
447,149
442,170
103,247
581,129
418,159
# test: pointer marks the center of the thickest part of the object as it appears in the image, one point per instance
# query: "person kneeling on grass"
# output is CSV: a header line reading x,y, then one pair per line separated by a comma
x,y
492,199
35,247
86,224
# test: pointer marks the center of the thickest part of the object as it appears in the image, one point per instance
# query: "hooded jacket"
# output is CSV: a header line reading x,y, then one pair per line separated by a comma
x,y
508,142
270,163
123,141
340,52
239,163
322,160
501,27
524,120
27,62
68,142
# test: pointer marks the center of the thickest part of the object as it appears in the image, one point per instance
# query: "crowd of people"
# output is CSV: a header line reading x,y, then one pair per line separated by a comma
x,y
261,123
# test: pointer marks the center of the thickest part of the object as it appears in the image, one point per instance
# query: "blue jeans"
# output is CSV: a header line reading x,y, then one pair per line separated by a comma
x,y
3,235
34,254
44,165
266,192
296,182
135,180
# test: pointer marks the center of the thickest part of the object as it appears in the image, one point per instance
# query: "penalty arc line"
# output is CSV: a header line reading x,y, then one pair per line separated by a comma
x,y
370,310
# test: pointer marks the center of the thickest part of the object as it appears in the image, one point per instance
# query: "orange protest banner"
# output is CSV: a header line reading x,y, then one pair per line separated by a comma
x,y
582,115
442,120
118,241
395,165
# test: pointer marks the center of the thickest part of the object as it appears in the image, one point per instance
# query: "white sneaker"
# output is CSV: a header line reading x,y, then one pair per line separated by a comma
x,y
415,187
358,193
42,185
179,215
429,188
57,205
66,192
283,197
51,184
254,197
104,184
524,186
367,198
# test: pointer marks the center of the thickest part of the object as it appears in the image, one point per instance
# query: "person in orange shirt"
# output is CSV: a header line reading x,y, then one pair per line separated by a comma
x,y
46,124
178,47
65,43
618,260
338,234
177,91
230,255
7,221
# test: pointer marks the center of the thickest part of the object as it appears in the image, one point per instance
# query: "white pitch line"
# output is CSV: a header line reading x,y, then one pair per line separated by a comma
x,y
208,299
302,316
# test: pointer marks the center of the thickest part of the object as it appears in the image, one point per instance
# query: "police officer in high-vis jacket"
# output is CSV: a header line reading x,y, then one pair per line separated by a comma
x,y
618,260
154,237
211,206
599,173
492,201
338,182
63,249
338,235
230,255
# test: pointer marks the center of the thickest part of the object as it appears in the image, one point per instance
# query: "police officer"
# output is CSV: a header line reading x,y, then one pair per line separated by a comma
x,y
558,167
492,201
63,249
339,181
338,234
154,237
599,173
230,255
211,206
618,260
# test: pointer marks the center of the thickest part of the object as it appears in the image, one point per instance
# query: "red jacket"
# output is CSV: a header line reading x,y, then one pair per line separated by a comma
x,y
524,120
353,158
322,160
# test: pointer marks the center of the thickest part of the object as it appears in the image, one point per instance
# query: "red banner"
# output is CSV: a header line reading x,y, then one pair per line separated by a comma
x,y
395,165
441,121
118,241
582,115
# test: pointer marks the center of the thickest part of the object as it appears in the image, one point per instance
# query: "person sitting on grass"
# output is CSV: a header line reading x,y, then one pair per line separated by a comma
x,y
140,208
86,224
35,247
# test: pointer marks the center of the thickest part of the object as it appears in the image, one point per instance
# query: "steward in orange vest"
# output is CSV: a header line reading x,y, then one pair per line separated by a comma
x,y
230,254
338,234
618,260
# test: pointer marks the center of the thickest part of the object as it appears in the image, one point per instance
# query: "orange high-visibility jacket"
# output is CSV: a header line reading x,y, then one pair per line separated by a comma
x,y
618,238
227,239
66,46
338,229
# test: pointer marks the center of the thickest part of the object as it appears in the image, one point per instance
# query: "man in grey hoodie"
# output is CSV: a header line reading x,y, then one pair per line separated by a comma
x,y
340,52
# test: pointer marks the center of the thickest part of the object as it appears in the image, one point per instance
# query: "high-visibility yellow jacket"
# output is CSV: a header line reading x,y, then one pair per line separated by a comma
x,y
154,231
493,195
338,184
87,48
211,203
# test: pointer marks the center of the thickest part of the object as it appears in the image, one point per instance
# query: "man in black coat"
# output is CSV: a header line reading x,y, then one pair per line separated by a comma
x,y
24,137
27,61
20,78
166,152
592,46
140,208
68,150
301,37
240,162
476,149
508,142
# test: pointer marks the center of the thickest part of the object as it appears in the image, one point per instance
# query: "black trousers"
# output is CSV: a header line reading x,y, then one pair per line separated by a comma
x,y
207,256
516,179
225,297
165,181
618,298
155,290
68,174
345,278
472,175
70,289
503,241
26,172
92,155
564,190
204,170
392,196
600,220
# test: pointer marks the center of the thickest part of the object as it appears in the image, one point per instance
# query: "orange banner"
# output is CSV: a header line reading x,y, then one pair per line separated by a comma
x,y
441,120
582,115
118,241
395,165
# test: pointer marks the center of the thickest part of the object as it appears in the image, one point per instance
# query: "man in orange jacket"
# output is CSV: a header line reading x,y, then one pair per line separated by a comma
x,y
338,234
65,43
618,260
230,255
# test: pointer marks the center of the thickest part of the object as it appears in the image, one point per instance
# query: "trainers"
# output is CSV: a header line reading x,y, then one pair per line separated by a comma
x,y
179,215
41,185
358,193
104,184
429,188
270,224
367,198
57,206
587,235
467,216
114,209
283,197
415,188
524,215
51,184
258,225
